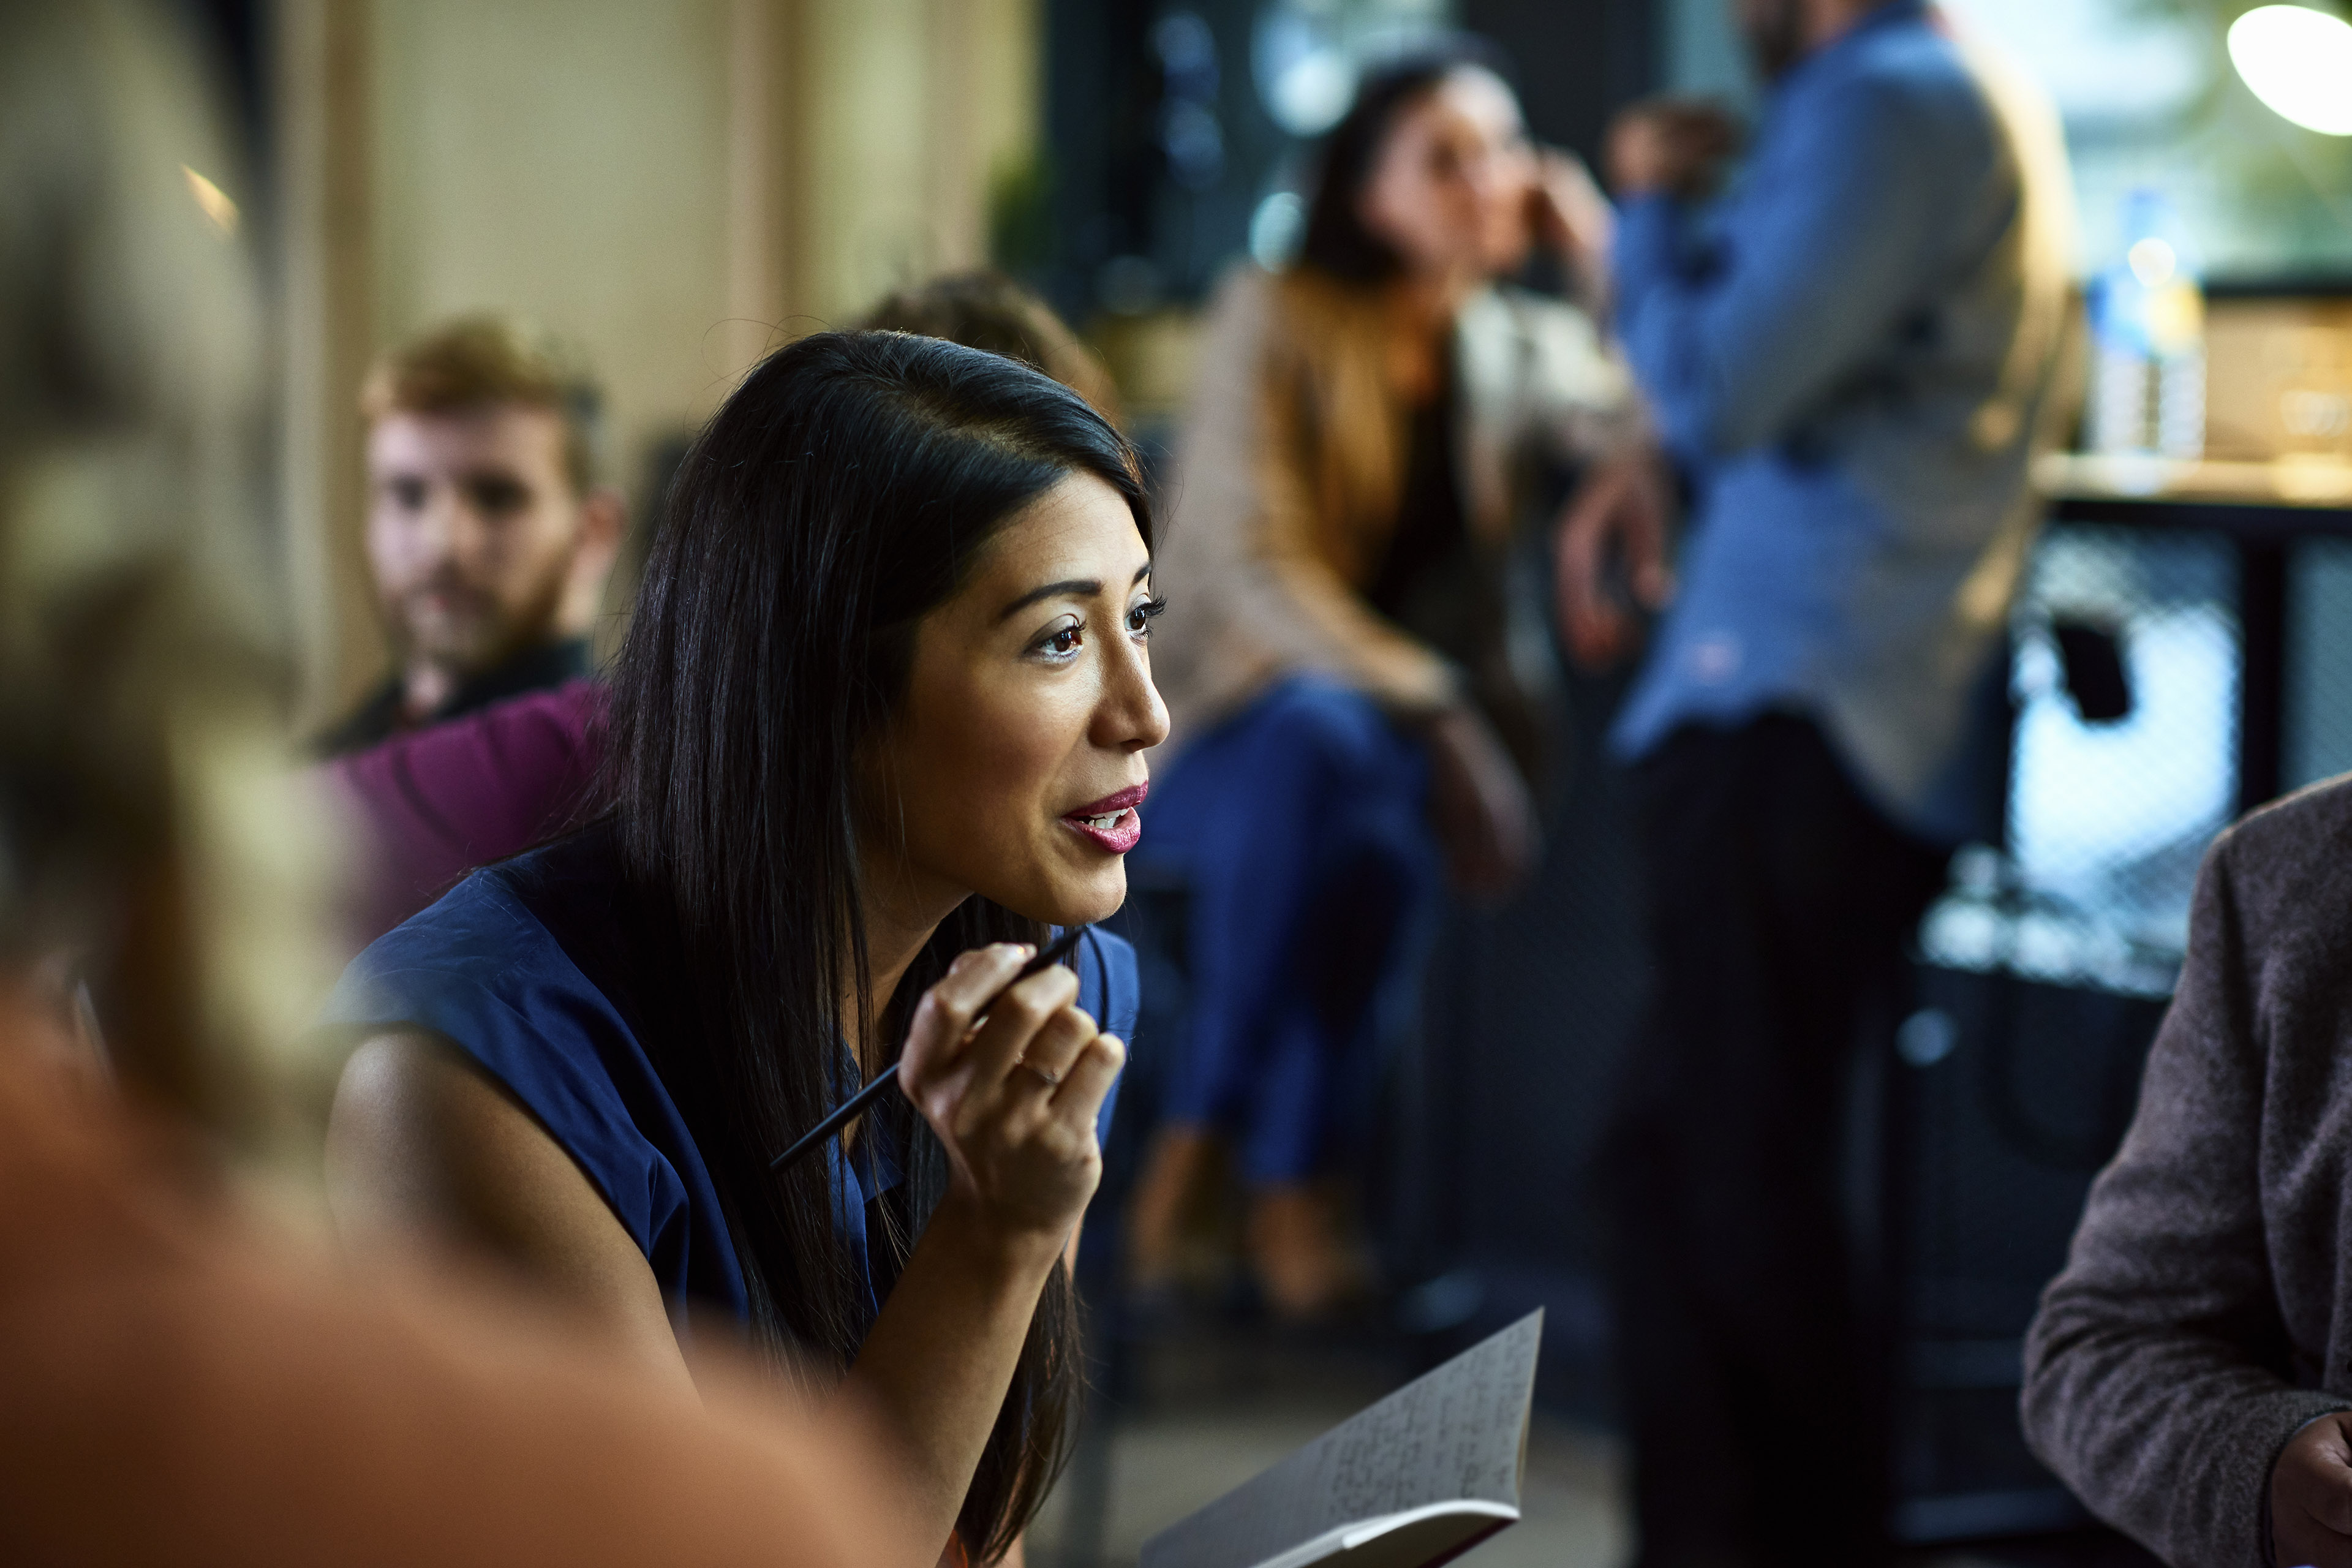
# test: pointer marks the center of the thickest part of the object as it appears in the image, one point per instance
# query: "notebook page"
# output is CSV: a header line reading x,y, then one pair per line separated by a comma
x,y
1458,1433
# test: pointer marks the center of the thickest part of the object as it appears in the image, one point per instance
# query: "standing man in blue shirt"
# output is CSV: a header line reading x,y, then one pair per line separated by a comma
x,y
1849,355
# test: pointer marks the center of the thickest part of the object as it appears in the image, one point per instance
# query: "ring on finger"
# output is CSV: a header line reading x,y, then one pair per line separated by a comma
x,y
1053,1079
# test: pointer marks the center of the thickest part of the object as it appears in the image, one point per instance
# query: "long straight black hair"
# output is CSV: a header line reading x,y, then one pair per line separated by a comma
x,y
839,496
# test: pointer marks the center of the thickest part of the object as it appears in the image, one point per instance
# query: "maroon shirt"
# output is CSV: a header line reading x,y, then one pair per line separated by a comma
x,y
438,802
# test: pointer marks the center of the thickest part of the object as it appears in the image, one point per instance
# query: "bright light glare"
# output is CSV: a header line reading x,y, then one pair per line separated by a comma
x,y
214,201
1313,92
2298,61
2152,262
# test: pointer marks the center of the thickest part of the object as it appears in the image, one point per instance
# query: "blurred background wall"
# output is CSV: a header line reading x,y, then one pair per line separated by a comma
x,y
673,183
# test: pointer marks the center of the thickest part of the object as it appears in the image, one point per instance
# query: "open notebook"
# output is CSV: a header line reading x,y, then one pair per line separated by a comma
x,y
1418,1479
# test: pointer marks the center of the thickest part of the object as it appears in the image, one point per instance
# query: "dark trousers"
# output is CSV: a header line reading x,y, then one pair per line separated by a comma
x,y
1780,905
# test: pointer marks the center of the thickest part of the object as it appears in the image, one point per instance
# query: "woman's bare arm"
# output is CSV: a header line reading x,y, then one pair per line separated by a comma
x,y
1021,1147
421,1147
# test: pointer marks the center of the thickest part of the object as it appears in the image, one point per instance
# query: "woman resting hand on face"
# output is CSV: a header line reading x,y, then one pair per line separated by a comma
x,y
878,725
1360,684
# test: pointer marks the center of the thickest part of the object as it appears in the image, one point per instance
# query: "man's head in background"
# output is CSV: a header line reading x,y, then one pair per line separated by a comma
x,y
490,532
989,312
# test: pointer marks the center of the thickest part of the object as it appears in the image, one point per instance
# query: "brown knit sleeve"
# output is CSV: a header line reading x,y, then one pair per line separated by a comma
x,y
2155,1378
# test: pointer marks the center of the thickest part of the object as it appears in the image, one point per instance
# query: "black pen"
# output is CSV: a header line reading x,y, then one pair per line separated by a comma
x,y
890,1075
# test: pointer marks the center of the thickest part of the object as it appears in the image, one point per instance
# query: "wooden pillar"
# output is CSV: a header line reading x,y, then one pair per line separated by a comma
x,y
768,49
983,101
955,196
326,326
805,242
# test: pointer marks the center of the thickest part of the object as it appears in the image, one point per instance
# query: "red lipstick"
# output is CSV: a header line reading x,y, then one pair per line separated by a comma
x,y
1112,822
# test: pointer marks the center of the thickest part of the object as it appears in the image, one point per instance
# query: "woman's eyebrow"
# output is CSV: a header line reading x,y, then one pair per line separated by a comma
x,y
1075,587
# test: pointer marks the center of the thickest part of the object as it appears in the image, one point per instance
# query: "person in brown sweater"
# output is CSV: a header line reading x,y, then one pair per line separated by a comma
x,y
2190,1374
183,1386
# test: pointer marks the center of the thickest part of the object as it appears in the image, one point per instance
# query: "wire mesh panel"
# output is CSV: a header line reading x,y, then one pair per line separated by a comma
x,y
2125,671
2046,969
2318,738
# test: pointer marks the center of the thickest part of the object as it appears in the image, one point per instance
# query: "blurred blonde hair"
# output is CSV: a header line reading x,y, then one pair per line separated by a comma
x,y
147,818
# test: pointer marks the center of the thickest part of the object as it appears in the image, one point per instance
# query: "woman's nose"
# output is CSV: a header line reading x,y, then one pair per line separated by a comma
x,y
1130,716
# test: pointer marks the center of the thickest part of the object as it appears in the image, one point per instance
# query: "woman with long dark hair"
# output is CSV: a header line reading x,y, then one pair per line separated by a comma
x,y
878,725
1359,683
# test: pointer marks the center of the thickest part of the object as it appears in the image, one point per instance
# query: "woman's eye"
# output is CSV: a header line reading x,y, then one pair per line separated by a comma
x,y
1140,619
1062,641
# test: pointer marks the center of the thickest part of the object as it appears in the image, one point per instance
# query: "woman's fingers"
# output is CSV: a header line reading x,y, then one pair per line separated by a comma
x,y
1078,1100
948,1009
1014,1019
1053,1050
1011,1073
1588,222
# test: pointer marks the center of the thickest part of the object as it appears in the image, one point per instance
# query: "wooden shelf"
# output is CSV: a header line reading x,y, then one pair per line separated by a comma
x,y
2317,482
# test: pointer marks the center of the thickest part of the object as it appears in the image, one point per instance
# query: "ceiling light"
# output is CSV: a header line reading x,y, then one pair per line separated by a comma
x,y
2298,61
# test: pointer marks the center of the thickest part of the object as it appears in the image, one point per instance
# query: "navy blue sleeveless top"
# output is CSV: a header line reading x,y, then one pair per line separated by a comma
x,y
525,968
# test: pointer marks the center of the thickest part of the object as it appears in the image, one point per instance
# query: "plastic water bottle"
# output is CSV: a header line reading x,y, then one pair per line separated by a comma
x,y
2148,335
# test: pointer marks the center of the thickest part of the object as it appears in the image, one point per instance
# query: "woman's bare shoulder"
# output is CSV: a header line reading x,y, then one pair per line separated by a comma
x,y
426,1150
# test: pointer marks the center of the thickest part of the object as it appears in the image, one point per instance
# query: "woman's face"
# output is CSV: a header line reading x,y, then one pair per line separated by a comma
x,y
1450,188
1014,765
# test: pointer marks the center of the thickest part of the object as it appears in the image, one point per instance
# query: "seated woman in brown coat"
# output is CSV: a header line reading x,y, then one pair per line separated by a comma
x,y
1357,680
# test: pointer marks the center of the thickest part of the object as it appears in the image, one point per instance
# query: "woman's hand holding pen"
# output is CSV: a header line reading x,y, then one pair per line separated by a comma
x,y
1010,1074
1010,1077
